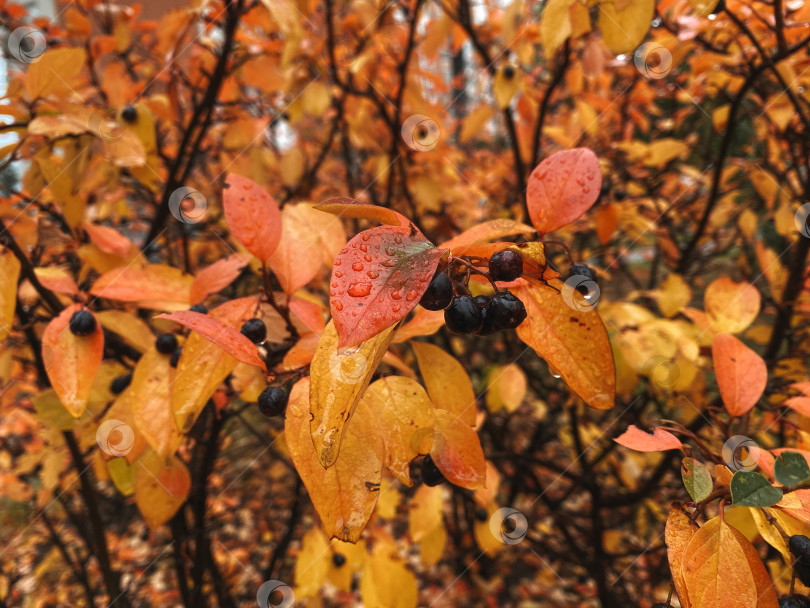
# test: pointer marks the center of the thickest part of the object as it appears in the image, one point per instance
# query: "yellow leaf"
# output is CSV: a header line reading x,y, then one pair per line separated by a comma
x,y
344,494
291,167
446,381
703,8
555,25
731,306
425,512
339,379
122,475
488,542
506,388
624,23
9,275
674,294
403,411
134,331
505,85
432,546
312,564
161,487
474,122
386,582
53,73
151,399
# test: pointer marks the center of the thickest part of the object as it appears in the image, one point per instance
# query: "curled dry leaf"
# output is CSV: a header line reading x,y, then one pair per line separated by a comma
x,y
377,279
658,441
344,494
339,377
71,362
253,216
741,374
562,188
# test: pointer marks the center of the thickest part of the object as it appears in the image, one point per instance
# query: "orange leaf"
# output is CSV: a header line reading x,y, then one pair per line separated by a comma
x,y
486,232
309,238
71,361
217,276
659,440
152,285
741,374
9,275
150,396
446,381
731,306
340,376
161,487
457,451
377,279
231,341
574,342
562,188
349,207
678,533
344,494
722,569
57,279
606,220
799,404
423,323
109,240
311,314
253,216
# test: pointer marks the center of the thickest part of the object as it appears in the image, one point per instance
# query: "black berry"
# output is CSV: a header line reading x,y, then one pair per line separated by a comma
x,y
338,559
129,114
719,7
506,310
118,385
604,190
255,330
82,323
795,601
463,316
800,547
175,357
431,475
272,401
482,514
481,301
619,194
199,308
488,326
439,292
166,343
509,72
505,265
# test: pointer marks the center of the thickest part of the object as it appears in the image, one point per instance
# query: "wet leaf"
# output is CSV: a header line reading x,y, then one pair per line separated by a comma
x,y
751,489
562,188
486,232
696,478
340,376
386,582
741,374
161,487
446,381
71,361
134,331
457,451
659,440
253,216
344,494
573,342
227,338
506,388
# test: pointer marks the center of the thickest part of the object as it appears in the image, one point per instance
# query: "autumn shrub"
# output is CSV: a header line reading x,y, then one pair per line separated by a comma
x,y
427,303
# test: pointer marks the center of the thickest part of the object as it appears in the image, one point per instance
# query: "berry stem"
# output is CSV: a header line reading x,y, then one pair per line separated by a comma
x,y
472,268
284,311
564,246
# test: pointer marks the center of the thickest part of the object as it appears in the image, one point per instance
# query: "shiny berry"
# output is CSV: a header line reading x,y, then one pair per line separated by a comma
x,y
166,343
482,514
481,301
255,330
488,326
338,559
272,401
199,308
175,357
82,323
431,475
505,265
439,292
129,114
463,316
507,310
795,601
118,385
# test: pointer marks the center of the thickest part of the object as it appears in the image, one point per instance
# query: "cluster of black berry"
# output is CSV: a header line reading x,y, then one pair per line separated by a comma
x,y
481,315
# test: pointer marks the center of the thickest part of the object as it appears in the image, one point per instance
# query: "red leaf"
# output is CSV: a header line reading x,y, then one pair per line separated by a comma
x,y
217,276
659,441
349,207
227,338
252,215
562,188
377,279
741,374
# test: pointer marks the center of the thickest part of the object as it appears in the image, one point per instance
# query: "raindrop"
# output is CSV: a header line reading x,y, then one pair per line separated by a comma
x,y
337,305
373,274
553,372
338,262
338,274
389,251
586,190
396,307
366,237
388,263
580,181
358,266
358,290
398,240
396,295
363,248
412,295
367,258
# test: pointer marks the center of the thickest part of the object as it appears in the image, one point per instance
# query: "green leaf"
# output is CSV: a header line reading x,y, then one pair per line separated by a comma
x,y
750,489
696,478
791,470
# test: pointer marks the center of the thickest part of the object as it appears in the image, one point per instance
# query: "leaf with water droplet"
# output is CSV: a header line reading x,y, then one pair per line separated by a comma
x,y
253,216
368,296
562,188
